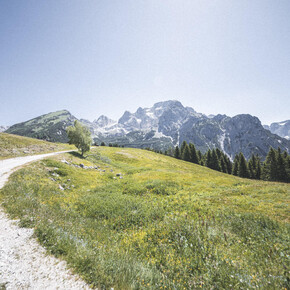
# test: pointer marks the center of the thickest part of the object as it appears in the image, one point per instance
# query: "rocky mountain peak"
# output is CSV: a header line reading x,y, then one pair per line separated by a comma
x,y
104,121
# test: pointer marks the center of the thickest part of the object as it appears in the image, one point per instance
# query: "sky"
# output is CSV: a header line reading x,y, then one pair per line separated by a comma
x,y
108,56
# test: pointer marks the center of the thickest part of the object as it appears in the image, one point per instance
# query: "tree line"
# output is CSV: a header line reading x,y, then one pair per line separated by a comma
x,y
276,166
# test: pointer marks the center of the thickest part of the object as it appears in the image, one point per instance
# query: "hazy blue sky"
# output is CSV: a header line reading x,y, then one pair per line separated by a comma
x,y
105,57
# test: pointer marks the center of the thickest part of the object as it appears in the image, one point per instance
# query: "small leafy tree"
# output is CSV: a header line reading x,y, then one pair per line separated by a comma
x,y
80,136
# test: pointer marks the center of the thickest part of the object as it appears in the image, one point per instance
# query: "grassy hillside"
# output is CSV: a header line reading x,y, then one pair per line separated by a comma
x,y
14,146
165,224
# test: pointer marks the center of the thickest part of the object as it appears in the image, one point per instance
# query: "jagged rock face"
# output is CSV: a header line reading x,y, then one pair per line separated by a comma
x,y
246,134
282,129
104,121
163,117
242,133
50,127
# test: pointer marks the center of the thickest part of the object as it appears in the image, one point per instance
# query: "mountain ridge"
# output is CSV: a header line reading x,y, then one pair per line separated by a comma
x,y
165,124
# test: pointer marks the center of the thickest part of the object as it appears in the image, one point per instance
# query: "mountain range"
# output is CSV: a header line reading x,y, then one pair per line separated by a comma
x,y
164,125
280,128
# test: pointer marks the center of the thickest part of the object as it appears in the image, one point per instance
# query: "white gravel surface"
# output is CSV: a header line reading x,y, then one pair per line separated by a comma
x,y
23,262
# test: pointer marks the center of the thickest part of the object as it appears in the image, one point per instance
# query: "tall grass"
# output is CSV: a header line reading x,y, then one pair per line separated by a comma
x,y
166,224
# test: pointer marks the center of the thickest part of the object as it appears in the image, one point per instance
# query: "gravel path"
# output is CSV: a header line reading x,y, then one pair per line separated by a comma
x,y
23,262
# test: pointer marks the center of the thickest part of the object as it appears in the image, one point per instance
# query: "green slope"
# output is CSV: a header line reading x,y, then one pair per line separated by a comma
x,y
49,127
167,224
15,146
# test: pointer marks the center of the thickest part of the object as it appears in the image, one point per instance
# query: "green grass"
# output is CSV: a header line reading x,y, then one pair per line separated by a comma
x,y
167,224
15,146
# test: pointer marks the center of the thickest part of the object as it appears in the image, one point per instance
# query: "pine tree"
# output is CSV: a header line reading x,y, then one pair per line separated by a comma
x,y
251,170
287,166
185,153
243,168
200,157
229,164
223,165
235,165
182,147
281,168
193,155
177,152
252,164
215,161
270,166
258,169
219,153
208,160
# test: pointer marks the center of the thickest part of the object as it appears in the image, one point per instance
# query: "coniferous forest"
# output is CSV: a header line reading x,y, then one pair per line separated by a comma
x,y
276,166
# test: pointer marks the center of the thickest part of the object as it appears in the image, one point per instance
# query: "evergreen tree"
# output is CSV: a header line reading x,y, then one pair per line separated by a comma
x,y
185,155
258,169
287,166
270,166
235,165
182,147
223,165
228,164
200,157
251,170
177,152
243,168
214,161
281,168
193,154
252,165
208,160
219,153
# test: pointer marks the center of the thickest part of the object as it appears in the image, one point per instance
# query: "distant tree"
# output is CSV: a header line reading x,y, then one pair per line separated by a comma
x,y
103,144
235,165
223,165
219,153
177,152
270,166
287,166
259,169
229,164
215,161
252,165
193,154
200,157
243,168
80,136
185,155
208,160
281,167
183,144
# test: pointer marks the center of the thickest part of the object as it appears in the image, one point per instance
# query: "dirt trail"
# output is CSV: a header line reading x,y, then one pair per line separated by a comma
x,y
23,262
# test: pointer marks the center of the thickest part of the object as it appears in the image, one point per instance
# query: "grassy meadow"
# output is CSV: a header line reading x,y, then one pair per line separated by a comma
x,y
16,146
165,224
